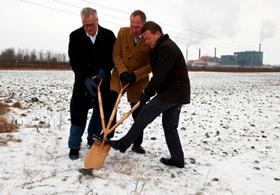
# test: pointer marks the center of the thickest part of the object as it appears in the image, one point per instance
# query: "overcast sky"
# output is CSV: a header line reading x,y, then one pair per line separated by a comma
x,y
230,26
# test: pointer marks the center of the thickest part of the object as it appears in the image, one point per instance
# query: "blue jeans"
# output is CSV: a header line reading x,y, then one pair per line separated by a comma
x,y
94,127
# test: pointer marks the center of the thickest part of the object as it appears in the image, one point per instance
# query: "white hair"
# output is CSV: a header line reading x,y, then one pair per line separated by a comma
x,y
87,11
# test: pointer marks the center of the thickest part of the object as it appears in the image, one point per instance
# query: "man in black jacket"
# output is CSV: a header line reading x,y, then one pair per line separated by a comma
x,y
90,53
171,87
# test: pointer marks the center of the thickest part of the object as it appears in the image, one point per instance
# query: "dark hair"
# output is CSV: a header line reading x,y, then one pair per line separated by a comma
x,y
139,13
152,26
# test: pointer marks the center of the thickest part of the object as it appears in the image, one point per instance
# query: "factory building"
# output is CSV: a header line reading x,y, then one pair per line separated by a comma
x,y
243,58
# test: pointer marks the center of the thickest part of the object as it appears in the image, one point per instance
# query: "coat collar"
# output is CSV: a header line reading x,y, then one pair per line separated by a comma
x,y
98,35
134,48
161,39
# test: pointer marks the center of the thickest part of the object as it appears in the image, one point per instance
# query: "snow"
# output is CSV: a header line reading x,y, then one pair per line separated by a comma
x,y
230,136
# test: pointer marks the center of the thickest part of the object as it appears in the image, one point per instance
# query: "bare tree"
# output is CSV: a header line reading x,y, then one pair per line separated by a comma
x,y
24,56
8,56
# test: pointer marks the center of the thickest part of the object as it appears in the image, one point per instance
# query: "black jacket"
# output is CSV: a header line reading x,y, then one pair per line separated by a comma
x,y
170,76
87,58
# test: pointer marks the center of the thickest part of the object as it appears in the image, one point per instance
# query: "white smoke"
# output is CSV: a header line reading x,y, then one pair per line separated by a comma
x,y
268,29
206,20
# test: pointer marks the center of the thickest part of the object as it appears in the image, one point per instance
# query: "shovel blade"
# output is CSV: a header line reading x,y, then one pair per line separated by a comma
x,y
96,155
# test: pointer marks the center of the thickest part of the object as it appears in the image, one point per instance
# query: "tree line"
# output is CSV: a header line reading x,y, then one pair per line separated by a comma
x,y
25,56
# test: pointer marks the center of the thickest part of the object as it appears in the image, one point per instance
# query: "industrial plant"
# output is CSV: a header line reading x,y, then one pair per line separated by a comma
x,y
240,59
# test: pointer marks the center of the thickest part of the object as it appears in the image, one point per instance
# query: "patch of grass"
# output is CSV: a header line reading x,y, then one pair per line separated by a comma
x,y
5,138
5,124
4,108
17,105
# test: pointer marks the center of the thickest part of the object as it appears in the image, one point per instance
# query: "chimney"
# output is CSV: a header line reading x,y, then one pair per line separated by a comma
x,y
260,50
199,52
215,52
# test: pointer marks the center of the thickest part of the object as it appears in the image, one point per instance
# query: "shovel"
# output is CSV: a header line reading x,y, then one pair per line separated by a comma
x,y
99,150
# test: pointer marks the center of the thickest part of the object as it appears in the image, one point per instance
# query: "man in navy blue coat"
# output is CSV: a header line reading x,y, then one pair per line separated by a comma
x,y
90,53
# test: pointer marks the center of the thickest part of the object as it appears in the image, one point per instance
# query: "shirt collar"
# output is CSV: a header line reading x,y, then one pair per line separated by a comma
x,y
93,36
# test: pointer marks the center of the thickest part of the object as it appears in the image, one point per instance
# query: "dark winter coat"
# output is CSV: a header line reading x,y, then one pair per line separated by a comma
x,y
87,58
170,76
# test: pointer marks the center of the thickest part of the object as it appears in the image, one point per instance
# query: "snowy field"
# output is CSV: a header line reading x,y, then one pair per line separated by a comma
x,y
230,134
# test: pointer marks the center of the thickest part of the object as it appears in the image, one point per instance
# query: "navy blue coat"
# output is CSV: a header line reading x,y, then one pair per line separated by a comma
x,y
86,59
170,75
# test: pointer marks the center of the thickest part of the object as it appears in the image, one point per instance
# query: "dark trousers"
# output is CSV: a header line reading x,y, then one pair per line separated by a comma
x,y
170,119
78,122
108,109
95,126
138,141
79,108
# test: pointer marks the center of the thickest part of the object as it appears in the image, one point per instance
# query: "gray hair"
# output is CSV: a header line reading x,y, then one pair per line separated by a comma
x,y
87,11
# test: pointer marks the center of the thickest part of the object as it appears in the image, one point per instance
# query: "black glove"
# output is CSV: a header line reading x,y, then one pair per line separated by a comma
x,y
127,77
91,86
100,74
144,98
124,77
132,77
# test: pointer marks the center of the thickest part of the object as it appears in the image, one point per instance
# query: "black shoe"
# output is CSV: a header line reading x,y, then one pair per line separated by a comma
x,y
90,142
138,149
115,144
74,153
97,138
170,162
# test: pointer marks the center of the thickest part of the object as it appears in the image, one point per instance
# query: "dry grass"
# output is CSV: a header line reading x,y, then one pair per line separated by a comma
x,y
233,69
5,138
34,67
17,105
5,124
4,108
190,68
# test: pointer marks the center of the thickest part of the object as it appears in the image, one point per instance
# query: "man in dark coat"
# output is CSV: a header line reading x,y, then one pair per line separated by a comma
x,y
171,87
90,53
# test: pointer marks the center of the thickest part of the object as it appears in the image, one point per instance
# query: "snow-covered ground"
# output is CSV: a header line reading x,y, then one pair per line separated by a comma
x,y
230,134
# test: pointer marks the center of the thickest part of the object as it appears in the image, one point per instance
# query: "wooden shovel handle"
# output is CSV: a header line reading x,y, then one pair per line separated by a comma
x,y
101,106
116,107
124,117
107,130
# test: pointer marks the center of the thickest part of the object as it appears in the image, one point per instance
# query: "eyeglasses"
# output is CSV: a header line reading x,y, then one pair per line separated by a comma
x,y
92,25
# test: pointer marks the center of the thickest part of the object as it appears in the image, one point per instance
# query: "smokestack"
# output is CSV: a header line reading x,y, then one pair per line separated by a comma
x,y
215,52
199,52
187,54
260,58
